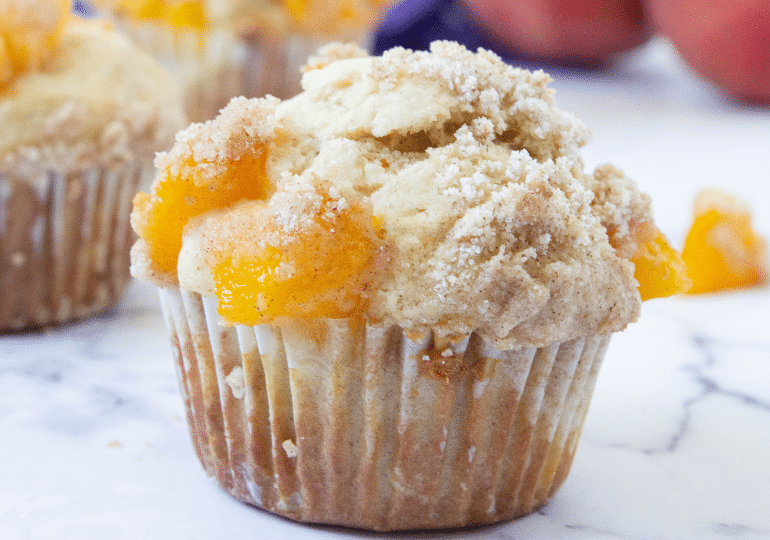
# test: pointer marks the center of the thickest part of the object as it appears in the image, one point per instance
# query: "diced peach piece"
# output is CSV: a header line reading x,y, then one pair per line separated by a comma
x,y
323,267
660,270
187,14
159,218
722,251
177,13
29,32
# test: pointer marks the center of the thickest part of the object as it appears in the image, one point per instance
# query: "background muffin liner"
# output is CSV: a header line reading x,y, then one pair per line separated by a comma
x,y
216,66
340,422
65,240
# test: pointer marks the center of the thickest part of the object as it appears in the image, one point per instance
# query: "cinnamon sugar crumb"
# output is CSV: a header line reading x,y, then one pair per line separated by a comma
x,y
205,151
290,448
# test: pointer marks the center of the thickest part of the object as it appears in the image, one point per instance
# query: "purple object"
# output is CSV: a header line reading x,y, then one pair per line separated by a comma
x,y
414,24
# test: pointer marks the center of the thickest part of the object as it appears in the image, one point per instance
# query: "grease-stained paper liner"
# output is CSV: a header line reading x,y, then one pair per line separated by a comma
x,y
340,422
65,242
213,67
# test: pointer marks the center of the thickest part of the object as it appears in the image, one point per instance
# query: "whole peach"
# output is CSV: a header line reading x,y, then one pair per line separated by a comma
x,y
726,41
567,31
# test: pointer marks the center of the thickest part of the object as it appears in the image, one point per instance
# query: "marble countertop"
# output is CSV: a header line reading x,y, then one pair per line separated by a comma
x,y
675,446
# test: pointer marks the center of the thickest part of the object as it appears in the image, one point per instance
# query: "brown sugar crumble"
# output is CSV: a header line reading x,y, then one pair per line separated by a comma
x,y
472,180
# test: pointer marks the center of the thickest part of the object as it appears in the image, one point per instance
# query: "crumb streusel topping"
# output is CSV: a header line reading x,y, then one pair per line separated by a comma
x,y
451,181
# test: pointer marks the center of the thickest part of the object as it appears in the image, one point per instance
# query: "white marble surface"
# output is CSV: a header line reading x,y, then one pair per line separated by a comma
x,y
93,442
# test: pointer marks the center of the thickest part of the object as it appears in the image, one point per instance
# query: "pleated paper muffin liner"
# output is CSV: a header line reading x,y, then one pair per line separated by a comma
x,y
370,426
65,241
213,67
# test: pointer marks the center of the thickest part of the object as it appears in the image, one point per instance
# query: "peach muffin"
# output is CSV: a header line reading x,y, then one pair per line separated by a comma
x,y
389,296
83,112
223,48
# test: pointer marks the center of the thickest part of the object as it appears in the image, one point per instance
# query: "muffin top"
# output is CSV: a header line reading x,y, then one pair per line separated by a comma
x,y
88,91
331,18
439,190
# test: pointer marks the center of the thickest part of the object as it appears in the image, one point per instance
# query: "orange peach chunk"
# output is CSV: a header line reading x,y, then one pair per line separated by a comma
x,y
159,218
211,166
319,259
660,270
177,13
29,31
722,251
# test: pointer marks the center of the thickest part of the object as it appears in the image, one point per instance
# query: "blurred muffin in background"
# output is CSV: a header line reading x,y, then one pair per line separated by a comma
x,y
220,49
83,112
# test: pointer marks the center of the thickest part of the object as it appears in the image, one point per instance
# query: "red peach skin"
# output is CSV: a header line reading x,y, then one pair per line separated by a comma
x,y
726,41
571,31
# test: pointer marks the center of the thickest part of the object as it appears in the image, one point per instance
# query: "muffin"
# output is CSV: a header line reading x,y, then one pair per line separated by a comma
x,y
83,112
389,296
220,49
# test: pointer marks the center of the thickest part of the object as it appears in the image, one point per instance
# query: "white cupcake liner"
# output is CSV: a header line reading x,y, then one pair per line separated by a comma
x,y
341,422
65,242
218,65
